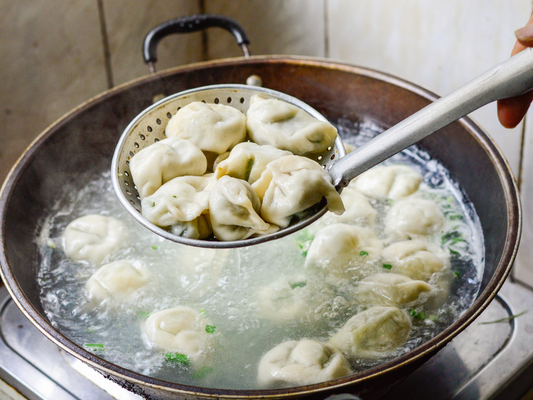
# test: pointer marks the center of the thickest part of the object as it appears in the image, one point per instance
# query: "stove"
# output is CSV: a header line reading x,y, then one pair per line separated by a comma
x,y
491,359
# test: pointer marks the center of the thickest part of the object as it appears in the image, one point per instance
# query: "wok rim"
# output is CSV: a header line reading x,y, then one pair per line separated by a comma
x,y
501,272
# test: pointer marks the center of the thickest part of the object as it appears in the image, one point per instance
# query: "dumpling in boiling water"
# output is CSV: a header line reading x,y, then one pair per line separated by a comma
x,y
393,182
302,362
412,218
373,333
290,298
416,259
198,270
342,249
163,161
212,127
248,160
287,127
180,204
93,237
292,184
390,290
234,210
180,330
358,209
116,280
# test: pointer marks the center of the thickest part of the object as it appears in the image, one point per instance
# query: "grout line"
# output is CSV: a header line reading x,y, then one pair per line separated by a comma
x,y
205,43
326,29
105,44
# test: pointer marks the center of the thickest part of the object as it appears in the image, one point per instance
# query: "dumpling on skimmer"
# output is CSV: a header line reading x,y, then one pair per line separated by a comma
x,y
180,204
248,160
292,184
212,127
162,161
287,127
234,210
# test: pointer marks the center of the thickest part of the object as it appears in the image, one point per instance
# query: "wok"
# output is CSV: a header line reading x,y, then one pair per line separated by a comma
x,y
80,145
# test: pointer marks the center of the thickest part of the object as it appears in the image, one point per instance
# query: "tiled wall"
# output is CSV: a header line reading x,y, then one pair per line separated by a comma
x,y
56,54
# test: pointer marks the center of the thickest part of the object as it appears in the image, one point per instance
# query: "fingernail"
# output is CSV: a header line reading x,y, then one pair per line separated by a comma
x,y
525,34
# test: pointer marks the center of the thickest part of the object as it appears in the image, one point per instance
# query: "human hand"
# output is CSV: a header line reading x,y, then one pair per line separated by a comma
x,y
512,110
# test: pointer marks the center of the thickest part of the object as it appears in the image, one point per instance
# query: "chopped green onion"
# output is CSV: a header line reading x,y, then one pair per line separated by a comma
x,y
202,372
90,330
363,253
94,346
457,240
202,312
144,314
298,284
418,315
155,247
457,274
177,358
450,236
387,266
433,317
456,216
175,197
210,328
454,253
510,318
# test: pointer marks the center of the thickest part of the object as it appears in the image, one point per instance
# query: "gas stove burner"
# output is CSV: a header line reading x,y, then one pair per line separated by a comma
x,y
488,360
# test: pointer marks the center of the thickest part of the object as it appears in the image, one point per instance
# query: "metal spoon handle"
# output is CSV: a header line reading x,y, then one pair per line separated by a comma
x,y
510,78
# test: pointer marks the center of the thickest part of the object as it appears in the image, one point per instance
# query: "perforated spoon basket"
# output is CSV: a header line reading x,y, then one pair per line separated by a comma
x,y
149,127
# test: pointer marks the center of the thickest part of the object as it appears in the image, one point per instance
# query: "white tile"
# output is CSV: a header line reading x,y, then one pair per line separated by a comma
x,y
51,60
273,26
523,268
127,25
439,44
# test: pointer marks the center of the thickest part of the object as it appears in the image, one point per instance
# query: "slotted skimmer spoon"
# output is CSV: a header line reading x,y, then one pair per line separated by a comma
x,y
508,79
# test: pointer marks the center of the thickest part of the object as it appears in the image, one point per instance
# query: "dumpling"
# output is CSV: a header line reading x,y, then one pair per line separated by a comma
x,y
287,127
373,333
342,249
180,330
180,204
116,280
359,211
162,161
412,218
248,160
390,290
290,298
212,127
93,237
198,270
234,210
302,362
292,184
416,259
393,182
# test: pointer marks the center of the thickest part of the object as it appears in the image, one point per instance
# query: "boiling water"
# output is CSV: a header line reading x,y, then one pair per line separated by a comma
x,y
227,285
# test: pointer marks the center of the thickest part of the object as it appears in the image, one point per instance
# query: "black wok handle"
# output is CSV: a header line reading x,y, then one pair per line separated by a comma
x,y
191,23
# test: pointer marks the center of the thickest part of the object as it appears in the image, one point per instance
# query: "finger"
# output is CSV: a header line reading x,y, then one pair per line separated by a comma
x,y
511,111
525,35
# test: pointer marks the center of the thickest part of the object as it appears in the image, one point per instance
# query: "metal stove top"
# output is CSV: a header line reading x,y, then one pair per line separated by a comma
x,y
492,360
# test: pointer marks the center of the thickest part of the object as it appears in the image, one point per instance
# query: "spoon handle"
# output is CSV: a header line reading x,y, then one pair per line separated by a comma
x,y
510,78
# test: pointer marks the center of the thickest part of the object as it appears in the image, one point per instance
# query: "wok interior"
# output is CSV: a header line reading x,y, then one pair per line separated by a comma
x,y
81,145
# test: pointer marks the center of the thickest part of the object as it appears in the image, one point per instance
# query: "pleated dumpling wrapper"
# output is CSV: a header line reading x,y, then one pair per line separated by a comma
x,y
215,128
301,362
292,184
287,127
165,160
